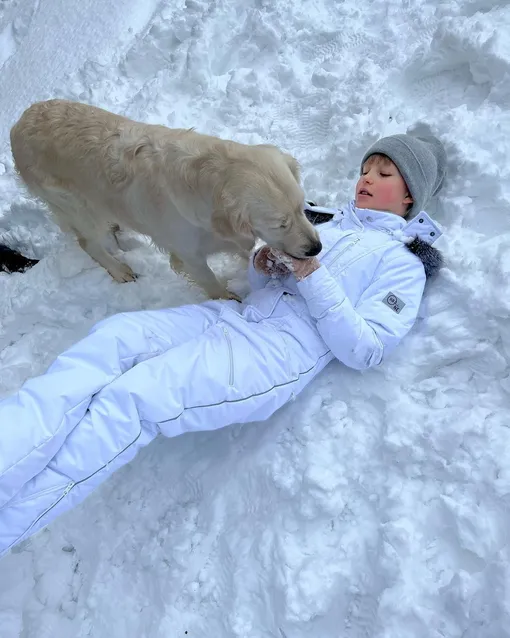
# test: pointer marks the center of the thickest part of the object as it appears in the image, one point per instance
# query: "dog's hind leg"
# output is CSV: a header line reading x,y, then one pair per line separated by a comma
x,y
73,215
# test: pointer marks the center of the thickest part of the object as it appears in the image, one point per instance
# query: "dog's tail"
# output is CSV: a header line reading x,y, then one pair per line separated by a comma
x,y
12,261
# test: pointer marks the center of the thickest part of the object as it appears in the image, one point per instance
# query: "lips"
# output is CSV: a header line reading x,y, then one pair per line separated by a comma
x,y
363,191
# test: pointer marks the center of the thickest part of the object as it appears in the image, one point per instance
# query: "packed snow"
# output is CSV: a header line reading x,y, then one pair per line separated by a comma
x,y
377,505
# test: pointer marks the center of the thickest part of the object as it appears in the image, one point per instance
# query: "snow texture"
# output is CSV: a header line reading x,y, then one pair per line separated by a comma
x,y
374,506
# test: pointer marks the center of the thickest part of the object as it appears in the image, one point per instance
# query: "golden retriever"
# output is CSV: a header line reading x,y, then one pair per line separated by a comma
x,y
192,194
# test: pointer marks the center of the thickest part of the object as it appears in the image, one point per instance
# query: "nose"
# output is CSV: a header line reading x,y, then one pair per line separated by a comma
x,y
314,250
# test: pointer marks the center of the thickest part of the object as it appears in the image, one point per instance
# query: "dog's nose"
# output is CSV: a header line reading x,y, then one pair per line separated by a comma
x,y
314,250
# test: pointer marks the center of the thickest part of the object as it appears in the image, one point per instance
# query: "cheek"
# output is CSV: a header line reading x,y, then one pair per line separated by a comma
x,y
390,191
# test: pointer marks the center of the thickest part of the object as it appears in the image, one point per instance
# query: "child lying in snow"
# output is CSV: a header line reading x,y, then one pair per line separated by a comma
x,y
206,366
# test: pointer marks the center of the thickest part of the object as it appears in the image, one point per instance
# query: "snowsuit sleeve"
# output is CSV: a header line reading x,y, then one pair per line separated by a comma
x,y
256,279
361,335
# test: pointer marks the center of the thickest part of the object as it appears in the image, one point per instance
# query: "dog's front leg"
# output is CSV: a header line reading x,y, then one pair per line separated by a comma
x,y
197,270
245,245
120,271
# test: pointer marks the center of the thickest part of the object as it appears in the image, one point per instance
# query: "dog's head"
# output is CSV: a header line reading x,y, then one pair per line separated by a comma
x,y
263,198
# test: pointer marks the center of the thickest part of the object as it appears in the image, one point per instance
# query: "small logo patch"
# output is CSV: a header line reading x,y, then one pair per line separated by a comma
x,y
393,302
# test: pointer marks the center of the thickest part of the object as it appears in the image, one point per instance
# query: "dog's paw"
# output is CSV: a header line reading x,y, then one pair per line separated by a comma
x,y
223,294
122,273
232,295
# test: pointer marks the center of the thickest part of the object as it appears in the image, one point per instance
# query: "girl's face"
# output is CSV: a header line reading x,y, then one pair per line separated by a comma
x,y
382,187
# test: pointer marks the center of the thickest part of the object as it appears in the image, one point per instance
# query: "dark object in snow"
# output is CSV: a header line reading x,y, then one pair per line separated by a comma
x,y
316,218
12,261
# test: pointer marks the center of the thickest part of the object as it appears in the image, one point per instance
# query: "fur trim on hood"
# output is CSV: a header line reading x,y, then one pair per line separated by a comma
x,y
431,257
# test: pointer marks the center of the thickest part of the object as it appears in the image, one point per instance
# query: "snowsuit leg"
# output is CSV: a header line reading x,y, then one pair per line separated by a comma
x,y
229,370
36,421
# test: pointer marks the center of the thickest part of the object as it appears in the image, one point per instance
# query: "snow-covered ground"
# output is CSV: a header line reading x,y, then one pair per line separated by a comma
x,y
377,504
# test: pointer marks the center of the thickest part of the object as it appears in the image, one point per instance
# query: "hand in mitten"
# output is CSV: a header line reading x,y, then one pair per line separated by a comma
x,y
276,263
270,262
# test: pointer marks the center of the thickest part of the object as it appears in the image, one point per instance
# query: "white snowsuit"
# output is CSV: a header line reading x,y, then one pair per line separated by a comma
x,y
202,367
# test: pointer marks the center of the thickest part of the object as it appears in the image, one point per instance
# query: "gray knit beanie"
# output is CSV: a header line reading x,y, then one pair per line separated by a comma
x,y
420,160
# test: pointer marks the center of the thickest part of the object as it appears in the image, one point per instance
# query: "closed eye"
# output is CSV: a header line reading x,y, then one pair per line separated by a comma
x,y
385,174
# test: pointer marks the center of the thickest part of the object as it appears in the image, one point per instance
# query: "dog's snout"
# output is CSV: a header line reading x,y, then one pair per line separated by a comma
x,y
314,250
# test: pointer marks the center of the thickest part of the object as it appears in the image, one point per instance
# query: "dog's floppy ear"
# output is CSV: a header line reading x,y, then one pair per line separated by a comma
x,y
229,218
293,164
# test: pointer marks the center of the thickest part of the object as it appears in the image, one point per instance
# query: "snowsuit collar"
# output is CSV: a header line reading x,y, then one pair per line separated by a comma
x,y
418,234
421,226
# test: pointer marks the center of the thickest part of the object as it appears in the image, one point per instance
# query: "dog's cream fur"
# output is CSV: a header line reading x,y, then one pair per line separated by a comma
x,y
192,194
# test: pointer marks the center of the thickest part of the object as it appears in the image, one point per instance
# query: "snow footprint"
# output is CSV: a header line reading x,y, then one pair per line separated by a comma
x,y
320,48
249,48
465,63
307,123
7,43
14,24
